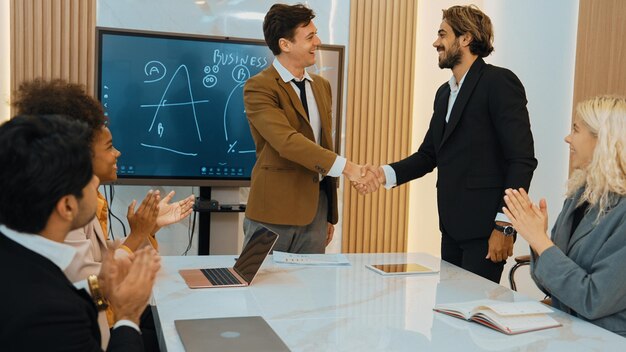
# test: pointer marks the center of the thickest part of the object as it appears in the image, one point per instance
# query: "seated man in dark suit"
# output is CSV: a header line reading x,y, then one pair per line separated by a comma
x,y
48,189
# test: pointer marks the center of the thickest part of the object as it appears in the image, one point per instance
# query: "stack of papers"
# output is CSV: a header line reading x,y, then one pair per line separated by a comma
x,y
310,259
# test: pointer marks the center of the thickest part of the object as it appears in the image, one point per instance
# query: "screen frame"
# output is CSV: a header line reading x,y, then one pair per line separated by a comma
x,y
336,52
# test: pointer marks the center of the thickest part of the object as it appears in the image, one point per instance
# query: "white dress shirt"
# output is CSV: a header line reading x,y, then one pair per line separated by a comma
x,y
454,91
314,114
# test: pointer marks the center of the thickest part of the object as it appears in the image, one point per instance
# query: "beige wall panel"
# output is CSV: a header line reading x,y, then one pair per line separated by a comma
x,y
600,49
379,109
53,39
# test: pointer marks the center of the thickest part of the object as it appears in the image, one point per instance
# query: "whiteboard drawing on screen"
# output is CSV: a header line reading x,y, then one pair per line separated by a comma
x,y
155,70
167,141
210,80
234,115
182,116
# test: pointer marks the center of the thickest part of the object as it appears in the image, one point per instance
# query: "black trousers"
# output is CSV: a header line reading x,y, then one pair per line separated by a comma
x,y
470,255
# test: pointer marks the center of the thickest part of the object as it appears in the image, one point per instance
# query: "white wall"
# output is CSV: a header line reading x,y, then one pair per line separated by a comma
x,y
5,62
535,39
236,18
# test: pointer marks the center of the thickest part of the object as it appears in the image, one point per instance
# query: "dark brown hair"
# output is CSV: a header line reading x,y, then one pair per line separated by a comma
x,y
470,19
281,21
43,158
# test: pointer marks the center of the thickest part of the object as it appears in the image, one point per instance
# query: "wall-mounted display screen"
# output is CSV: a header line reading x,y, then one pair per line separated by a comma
x,y
175,104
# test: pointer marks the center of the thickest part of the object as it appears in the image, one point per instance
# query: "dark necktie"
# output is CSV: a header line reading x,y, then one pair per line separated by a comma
x,y
302,86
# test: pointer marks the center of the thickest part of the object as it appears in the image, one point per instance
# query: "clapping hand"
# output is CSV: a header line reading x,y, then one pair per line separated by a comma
x,y
529,219
142,221
128,287
174,212
144,218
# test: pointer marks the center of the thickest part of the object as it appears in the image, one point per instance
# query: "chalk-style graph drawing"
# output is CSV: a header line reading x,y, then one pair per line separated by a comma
x,y
161,127
240,75
168,149
231,146
237,140
226,109
154,69
210,80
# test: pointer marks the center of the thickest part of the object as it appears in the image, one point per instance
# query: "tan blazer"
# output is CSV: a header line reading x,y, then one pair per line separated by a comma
x,y
90,245
285,179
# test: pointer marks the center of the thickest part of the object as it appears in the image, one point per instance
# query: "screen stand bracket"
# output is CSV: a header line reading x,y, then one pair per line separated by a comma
x,y
204,223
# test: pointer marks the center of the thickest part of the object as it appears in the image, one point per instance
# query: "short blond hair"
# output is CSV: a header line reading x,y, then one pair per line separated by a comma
x,y
604,179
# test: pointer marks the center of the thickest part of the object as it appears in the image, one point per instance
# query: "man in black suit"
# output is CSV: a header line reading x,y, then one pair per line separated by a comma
x,y
479,139
48,188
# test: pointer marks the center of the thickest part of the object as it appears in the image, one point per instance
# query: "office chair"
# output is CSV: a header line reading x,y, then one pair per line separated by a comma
x,y
520,261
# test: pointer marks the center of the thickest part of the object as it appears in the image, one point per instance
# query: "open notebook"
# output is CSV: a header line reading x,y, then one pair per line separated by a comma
x,y
507,317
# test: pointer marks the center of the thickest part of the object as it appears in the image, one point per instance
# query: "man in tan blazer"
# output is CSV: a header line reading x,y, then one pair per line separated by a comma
x,y
294,181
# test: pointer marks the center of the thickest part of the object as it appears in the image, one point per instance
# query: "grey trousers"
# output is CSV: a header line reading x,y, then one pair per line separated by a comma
x,y
296,239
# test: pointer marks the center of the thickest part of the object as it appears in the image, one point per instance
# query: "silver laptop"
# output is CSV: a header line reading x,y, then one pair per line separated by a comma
x,y
245,268
229,335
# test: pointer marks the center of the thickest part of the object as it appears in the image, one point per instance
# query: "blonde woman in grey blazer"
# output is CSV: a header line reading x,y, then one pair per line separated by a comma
x,y
582,265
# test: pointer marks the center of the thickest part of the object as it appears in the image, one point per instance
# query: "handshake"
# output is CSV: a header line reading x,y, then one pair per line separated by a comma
x,y
364,178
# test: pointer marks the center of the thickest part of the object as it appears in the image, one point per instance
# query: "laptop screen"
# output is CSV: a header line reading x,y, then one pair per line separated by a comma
x,y
254,253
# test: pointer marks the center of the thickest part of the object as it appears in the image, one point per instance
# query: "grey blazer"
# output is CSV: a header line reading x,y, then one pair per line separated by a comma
x,y
584,272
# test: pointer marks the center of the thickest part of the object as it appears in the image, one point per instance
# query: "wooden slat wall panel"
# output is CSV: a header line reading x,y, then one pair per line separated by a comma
x,y
378,122
600,49
53,39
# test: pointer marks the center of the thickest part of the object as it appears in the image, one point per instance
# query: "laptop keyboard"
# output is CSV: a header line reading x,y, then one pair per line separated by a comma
x,y
220,276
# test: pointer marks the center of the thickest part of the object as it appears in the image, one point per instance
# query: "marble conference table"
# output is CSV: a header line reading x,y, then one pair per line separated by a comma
x,y
352,308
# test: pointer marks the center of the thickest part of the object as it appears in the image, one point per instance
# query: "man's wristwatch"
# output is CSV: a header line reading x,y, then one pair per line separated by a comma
x,y
507,230
96,293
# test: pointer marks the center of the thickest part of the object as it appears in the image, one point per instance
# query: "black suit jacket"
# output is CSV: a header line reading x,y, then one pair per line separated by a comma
x,y
486,147
43,311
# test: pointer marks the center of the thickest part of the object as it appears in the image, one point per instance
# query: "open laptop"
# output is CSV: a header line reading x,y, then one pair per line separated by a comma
x,y
229,335
245,268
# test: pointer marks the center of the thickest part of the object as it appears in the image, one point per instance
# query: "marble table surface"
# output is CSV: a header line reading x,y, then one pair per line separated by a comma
x,y
352,308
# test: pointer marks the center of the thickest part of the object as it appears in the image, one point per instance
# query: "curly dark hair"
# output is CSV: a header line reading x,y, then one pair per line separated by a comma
x,y
59,97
